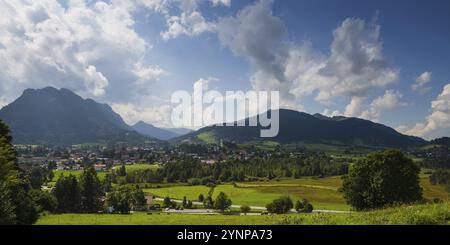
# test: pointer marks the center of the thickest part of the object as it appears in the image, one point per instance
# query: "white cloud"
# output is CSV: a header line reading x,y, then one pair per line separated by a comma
x,y
437,123
159,116
189,21
221,2
354,108
421,82
355,67
391,99
90,47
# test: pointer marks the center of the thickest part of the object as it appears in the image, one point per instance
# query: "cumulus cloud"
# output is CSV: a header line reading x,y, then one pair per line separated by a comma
x,y
438,122
355,67
221,2
391,99
421,82
159,115
189,21
90,47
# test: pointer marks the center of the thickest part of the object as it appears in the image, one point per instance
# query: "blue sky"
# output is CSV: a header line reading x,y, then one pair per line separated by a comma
x,y
386,61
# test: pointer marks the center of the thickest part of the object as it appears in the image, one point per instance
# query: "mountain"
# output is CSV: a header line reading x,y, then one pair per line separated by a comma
x,y
59,116
152,131
296,127
179,131
445,141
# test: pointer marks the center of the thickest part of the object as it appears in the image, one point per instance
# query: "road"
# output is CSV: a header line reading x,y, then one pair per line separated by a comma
x,y
208,211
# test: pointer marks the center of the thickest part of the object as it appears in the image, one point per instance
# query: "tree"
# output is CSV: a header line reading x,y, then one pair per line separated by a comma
x,y
122,171
280,205
208,202
303,206
382,178
222,202
91,191
167,203
67,193
107,183
184,203
16,205
37,177
245,209
120,200
139,200
201,198
7,214
44,200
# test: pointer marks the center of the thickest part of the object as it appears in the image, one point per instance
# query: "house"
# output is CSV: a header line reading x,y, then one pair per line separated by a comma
x,y
100,167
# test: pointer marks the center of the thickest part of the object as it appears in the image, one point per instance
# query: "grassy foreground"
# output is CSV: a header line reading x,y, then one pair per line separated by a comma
x,y
426,214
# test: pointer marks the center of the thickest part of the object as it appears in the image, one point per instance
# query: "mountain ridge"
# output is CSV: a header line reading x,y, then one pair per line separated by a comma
x,y
302,127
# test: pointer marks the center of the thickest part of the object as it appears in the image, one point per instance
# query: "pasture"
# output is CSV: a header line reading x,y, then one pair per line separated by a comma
x,y
323,193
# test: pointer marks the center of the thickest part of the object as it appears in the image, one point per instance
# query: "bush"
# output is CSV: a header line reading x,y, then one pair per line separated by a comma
x,y
245,209
303,206
280,206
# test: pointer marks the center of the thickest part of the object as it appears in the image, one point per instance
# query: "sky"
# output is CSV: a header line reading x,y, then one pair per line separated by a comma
x,y
385,61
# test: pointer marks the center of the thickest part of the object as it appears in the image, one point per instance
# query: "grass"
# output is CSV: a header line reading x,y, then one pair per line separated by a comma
x,y
178,192
323,193
207,137
427,214
76,173
141,166
154,219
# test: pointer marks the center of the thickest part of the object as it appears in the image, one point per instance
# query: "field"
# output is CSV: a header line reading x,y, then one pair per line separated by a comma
x,y
323,193
76,173
418,214
141,166
100,174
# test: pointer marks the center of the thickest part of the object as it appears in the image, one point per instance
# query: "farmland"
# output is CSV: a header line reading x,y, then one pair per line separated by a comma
x,y
323,193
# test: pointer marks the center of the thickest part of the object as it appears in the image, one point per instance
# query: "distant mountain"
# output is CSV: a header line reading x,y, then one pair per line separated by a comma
x,y
179,131
152,131
445,141
302,127
59,116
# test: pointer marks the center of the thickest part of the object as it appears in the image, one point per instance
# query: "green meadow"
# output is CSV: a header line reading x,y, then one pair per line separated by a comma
x,y
323,193
427,214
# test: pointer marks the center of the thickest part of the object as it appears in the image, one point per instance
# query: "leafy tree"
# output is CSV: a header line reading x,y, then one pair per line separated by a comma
x,y
208,202
189,204
245,209
201,198
122,171
37,177
184,203
303,206
7,214
67,193
120,200
139,200
167,203
91,191
382,178
222,202
280,205
44,200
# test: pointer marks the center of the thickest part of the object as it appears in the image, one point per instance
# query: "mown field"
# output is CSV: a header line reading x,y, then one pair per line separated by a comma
x,y
323,193
408,215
